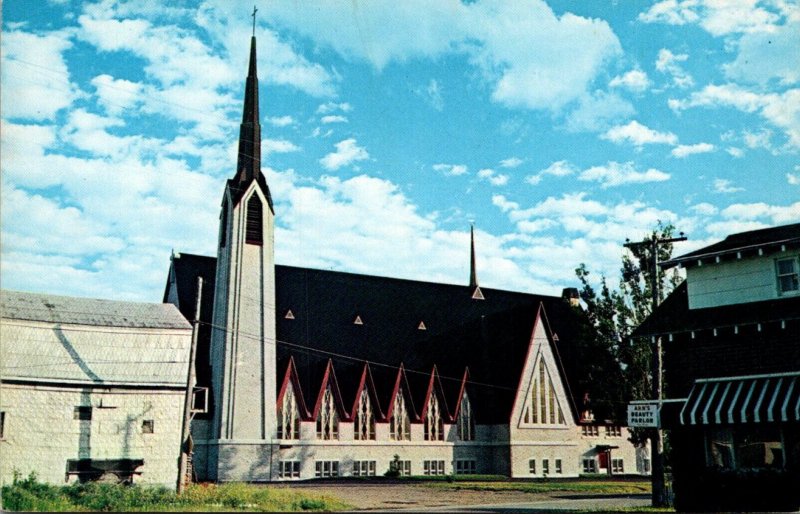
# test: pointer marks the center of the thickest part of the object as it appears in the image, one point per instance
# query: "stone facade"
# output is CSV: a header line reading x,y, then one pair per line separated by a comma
x,y
41,432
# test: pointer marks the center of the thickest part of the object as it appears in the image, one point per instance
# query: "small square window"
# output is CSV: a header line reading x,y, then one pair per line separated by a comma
x,y
83,413
532,466
545,466
558,466
148,426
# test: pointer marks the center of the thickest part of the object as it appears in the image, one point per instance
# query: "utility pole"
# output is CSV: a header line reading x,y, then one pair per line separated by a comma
x,y
186,444
656,439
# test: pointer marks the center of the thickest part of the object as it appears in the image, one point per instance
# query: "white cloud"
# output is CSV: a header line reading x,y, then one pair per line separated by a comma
x,y
556,169
735,152
704,208
511,162
333,118
347,152
634,80
722,185
450,170
668,63
116,95
329,107
35,80
433,95
598,111
638,135
281,121
775,214
717,17
780,109
519,46
682,151
495,179
504,204
794,178
767,55
269,146
615,174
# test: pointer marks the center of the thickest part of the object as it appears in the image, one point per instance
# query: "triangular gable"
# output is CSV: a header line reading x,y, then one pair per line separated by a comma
x,y
402,382
330,378
542,384
435,387
461,391
291,375
366,381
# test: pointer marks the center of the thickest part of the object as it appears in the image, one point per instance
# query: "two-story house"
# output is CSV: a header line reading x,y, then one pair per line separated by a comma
x,y
731,338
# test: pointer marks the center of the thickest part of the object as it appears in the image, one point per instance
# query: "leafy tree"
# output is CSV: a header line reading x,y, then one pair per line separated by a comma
x,y
615,314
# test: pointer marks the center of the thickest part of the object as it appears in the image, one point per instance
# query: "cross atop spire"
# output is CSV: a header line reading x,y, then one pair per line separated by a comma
x,y
255,10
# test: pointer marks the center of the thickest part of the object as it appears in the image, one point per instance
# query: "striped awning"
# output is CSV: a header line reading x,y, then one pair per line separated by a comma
x,y
752,399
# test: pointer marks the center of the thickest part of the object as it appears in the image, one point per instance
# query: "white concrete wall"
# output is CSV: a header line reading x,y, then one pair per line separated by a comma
x,y
41,433
751,279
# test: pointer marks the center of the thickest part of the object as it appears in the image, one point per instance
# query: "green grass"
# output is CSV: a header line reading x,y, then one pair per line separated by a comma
x,y
31,495
583,485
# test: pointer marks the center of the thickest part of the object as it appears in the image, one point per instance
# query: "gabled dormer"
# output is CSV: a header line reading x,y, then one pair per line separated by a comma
x,y
747,267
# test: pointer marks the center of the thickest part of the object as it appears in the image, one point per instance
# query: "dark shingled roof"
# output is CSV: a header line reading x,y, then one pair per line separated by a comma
x,y
489,338
788,235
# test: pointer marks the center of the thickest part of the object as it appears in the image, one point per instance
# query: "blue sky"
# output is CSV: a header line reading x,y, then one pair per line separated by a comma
x,y
560,128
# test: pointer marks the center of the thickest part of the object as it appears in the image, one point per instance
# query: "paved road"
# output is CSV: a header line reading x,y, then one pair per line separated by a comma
x,y
610,504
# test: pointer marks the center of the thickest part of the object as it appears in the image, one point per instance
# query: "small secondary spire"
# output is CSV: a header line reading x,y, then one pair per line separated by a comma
x,y
473,274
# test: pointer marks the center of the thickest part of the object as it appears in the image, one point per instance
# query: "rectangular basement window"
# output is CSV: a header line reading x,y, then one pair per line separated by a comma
x,y
148,426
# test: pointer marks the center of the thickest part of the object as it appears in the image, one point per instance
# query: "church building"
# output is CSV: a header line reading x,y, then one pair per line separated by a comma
x,y
314,373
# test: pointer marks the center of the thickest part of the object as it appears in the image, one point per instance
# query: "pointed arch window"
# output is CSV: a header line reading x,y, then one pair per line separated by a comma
x,y
434,426
365,418
466,421
254,223
541,402
400,423
327,419
288,416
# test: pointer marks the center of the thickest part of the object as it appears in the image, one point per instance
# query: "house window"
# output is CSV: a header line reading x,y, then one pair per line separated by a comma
x,y
558,466
788,276
532,466
400,423
288,417
326,468
590,430
434,426
433,467
545,466
83,413
148,426
466,423
613,431
365,418
403,467
617,467
253,229
289,469
465,467
364,468
589,466
2,425
327,419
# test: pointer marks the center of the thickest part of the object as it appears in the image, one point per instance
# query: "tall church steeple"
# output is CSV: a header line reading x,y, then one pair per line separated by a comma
x,y
248,166
243,334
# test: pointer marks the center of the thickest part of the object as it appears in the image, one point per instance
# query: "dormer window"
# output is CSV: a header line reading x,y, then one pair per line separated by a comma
x,y
788,275
358,321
